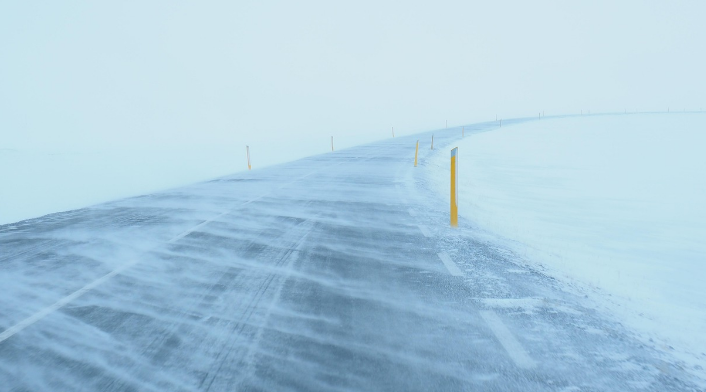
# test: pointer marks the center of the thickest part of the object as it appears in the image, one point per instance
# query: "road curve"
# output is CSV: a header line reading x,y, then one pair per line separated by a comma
x,y
336,272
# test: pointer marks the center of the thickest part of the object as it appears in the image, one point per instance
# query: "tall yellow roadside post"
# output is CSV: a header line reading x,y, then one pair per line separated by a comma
x,y
247,152
416,152
331,143
454,187
432,142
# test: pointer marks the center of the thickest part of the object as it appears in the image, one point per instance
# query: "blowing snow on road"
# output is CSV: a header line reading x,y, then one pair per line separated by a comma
x,y
334,272
352,196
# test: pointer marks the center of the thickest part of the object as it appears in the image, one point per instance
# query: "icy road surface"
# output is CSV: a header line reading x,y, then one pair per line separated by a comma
x,y
333,273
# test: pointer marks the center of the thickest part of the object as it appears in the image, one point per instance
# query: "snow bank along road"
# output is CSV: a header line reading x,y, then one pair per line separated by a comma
x,y
613,202
336,272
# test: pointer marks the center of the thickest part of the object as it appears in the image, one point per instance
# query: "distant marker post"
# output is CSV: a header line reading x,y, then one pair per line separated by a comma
x,y
416,152
331,143
432,142
393,131
454,187
247,152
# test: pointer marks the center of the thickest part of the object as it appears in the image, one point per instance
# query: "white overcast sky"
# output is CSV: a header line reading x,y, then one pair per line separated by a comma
x,y
88,74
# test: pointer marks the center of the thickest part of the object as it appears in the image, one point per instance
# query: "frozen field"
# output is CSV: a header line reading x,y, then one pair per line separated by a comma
x,y
35,182
38,179
611,205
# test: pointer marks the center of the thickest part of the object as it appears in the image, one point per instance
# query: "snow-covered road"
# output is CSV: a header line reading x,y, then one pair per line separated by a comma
x,y
336,272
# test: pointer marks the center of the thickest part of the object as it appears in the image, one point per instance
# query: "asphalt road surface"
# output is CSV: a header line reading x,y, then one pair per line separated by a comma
x,y
332,273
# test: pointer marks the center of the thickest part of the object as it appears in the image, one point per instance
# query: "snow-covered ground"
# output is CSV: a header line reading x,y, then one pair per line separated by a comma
x,y
36,182
38,178
613,205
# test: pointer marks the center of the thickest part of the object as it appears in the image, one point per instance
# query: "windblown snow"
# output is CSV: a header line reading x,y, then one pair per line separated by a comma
x,y
614,204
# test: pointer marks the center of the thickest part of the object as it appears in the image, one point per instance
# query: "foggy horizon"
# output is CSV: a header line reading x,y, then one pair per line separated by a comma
x,y
170,75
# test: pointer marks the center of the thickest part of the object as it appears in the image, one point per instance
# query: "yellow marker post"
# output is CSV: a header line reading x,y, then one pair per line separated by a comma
x,y
331,143
416,152
393,131
247,152
432,142
454,187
